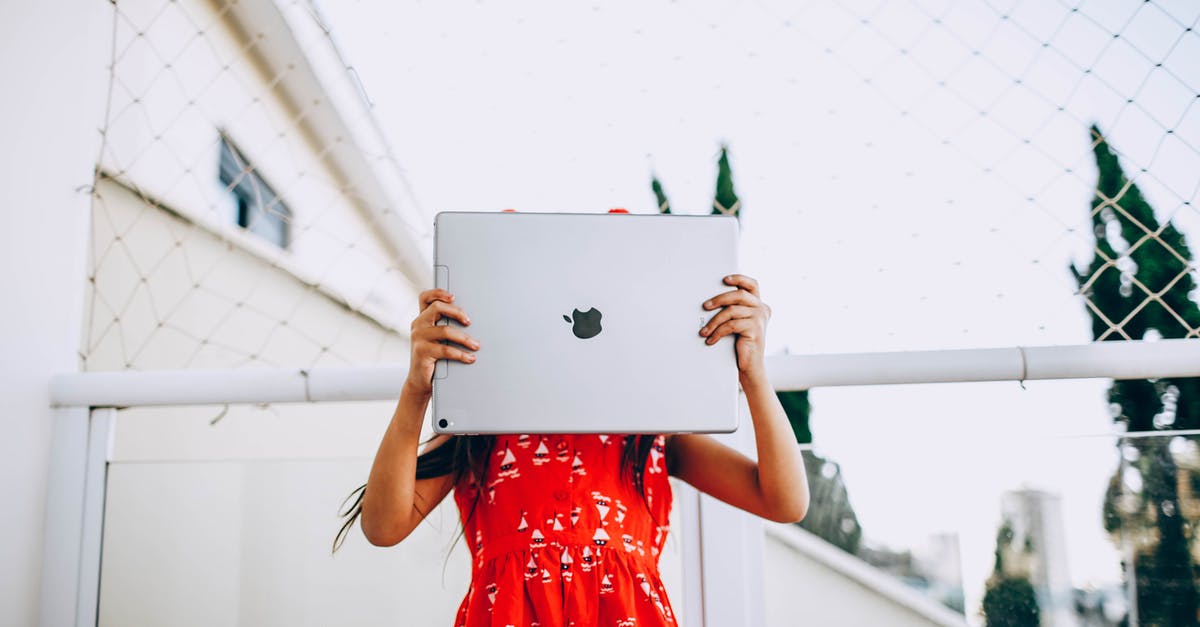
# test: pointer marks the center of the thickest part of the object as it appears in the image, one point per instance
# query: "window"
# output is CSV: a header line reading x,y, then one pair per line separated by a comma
x,y
259,209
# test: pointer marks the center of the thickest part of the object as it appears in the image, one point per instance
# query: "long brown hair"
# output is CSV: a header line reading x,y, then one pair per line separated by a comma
x,y
469,454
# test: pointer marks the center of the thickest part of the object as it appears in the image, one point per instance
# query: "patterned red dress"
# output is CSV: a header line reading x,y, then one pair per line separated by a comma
x,y
559,539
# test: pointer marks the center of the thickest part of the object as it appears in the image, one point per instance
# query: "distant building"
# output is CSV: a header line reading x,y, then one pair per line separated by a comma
x,y
933,568
1037,551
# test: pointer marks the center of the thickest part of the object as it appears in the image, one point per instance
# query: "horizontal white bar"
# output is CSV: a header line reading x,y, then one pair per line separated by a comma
x,y
1107,360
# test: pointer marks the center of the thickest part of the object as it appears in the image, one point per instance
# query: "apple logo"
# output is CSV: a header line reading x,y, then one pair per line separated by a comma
x,y
587,323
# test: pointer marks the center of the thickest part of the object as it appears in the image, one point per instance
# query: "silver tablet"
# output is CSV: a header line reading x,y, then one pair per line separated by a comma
x,y
587,323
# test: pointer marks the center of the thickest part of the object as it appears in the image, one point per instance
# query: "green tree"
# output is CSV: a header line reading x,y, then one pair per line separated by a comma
x,y
664,205
1137,286
725,201
1010,602
1009,599
833,519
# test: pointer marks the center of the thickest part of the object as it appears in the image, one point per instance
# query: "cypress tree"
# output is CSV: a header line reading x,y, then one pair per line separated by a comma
x,y
1137,285
725,202
834,520
796,406
664,205
1009,599
1010,602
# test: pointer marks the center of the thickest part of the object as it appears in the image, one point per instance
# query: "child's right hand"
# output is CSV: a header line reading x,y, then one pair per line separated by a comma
x,y
427,337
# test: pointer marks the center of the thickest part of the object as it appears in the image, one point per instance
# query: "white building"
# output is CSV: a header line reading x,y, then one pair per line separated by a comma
x,y
152,270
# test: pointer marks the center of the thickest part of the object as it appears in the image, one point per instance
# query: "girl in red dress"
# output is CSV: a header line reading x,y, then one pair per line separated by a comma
x,y
567,529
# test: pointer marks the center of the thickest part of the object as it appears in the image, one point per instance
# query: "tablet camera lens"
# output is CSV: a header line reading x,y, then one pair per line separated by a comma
x,y
443,423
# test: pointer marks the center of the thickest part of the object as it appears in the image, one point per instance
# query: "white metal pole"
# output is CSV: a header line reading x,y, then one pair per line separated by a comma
x,y
75,516
100,443
731,548
688,500
1109,360
66,485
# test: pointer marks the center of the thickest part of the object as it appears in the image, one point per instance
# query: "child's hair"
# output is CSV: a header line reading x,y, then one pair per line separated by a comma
x,y
469,454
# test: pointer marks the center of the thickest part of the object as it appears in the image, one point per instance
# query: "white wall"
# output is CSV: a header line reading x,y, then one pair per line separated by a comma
x,y
282,322
232,524
811,582
52,66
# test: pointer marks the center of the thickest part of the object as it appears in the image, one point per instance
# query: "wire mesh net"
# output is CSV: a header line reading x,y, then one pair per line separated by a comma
x,y
245,210
1013,90
248,209
909,174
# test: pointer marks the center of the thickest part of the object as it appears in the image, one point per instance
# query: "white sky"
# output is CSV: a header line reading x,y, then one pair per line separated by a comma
x,y
866,231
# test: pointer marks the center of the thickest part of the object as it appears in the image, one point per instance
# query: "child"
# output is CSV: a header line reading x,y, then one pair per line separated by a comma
x,y
567,529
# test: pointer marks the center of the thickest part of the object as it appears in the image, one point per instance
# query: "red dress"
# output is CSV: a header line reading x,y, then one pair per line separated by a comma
x,y
559,539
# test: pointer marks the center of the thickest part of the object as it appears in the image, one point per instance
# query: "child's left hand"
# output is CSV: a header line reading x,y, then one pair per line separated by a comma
x,y
745,314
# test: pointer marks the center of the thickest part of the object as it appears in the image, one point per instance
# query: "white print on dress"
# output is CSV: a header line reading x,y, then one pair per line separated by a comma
x,y
656,457
565,565
508,465
652,594
602,504
587,559
541,455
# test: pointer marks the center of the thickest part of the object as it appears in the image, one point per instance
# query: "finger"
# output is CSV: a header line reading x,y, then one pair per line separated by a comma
x,y
728,313
446,351
436,310
744,282
453,335
733,297
428,296
443,334
742,326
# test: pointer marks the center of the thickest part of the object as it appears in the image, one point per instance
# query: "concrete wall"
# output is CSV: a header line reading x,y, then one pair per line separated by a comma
x,y
52,65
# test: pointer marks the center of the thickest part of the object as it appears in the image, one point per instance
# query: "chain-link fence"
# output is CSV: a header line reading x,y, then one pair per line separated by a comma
x,y
1028,159
245,208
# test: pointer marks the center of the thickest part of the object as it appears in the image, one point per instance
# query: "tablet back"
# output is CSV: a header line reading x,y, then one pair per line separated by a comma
x,y
587,323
